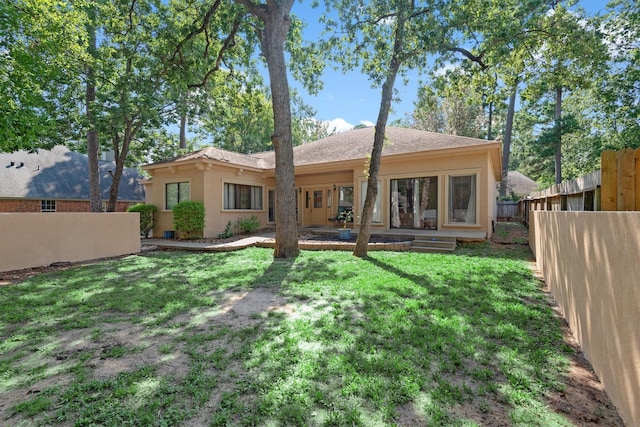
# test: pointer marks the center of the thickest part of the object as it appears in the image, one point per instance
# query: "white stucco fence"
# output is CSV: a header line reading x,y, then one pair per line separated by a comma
x,y
38,239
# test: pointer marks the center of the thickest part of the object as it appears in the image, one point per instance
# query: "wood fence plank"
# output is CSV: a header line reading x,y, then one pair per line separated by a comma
x,y
638,179
626,164
608,189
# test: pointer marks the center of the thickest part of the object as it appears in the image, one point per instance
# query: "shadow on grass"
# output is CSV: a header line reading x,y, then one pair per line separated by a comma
x,y
241,338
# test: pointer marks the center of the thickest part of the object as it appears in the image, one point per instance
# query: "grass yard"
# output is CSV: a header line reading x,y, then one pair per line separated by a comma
x,y
237,338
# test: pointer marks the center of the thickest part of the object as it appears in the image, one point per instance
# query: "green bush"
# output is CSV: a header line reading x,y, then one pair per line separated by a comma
x,y
228,232
248,225
188,218
147,217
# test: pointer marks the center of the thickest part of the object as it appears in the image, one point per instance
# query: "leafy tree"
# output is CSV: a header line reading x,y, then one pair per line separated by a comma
x,y
242,120
569,56
383,39
40,57
448,106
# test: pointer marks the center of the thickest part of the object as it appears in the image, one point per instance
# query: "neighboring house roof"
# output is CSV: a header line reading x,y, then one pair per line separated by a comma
x,y
519,184
61,174
352,145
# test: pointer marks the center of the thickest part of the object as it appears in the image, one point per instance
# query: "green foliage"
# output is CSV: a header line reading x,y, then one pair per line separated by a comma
x,y
248,225
41,55
147,217
228,232
188,218
449,107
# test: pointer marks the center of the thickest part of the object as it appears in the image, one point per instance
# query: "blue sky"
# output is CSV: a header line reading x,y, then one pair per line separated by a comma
x,y
349,97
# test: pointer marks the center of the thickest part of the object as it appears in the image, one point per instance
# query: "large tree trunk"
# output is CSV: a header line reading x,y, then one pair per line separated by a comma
x,y
121,152
93,146
558,116
362,243
506,144
489,126
183,129
272,37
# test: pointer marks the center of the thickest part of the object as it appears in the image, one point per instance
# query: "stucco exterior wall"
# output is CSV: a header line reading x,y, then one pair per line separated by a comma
x,y
206,186
442,166
590,262
38,239
207,180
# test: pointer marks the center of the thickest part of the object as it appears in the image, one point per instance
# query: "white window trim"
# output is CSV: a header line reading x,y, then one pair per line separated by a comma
x,y
447,207
55,206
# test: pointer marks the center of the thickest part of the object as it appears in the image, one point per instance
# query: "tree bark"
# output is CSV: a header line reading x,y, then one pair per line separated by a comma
x,y
183,130
506,144
93,146
362,242
558,116
275,17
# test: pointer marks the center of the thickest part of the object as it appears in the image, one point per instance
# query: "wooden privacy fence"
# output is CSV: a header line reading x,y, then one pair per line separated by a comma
x,y
507,210
620,188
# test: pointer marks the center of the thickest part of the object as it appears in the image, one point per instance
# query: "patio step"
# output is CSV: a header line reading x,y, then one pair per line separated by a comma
x,y
434,244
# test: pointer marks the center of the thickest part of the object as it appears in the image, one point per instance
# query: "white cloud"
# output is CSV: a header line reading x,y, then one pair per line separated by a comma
x,y
367,123
338,125
446,68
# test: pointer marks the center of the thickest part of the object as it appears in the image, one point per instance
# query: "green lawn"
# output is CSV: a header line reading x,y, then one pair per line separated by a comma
x,y
238,338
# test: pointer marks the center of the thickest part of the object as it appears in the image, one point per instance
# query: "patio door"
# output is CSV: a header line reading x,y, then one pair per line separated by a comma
x,y
414,203
315,205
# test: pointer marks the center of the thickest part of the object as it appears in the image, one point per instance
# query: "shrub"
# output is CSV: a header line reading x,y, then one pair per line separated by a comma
x,y
248,225
188,218
147,217
228,232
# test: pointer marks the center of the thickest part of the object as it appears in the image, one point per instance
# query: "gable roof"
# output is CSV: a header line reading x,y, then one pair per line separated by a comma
x,y
61,174
347,146
220,155
357,144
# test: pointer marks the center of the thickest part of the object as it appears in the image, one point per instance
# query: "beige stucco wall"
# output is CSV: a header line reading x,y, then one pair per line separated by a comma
x,y
207,180
441,165
591,263
206,184
38,239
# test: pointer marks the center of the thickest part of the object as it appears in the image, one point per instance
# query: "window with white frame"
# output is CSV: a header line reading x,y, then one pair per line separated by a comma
x,y
462,199
176,192
242,197
47,206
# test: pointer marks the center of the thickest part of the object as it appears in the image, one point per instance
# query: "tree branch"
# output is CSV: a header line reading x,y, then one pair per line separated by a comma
x,y
205,23
475,58
229,42
259,10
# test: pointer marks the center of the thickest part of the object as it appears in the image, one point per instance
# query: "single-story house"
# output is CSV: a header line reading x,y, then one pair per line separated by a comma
x,y
57,180
428,181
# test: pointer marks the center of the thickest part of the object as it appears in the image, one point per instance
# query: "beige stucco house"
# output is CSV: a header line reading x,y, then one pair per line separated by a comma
x,y
428,181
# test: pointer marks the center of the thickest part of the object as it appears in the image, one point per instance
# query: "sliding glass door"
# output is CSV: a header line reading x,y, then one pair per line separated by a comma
x,y
414,203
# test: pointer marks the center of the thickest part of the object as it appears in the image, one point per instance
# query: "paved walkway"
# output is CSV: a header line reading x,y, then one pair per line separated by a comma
x,y
149,244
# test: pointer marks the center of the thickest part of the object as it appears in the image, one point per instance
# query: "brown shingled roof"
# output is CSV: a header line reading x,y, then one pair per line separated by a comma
x,y
352,145
357,144
231,157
